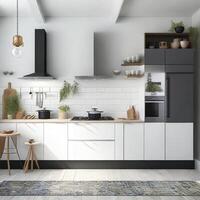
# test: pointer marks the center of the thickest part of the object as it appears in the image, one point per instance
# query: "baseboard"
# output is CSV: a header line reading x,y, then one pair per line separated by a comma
x,y
197,165
63,164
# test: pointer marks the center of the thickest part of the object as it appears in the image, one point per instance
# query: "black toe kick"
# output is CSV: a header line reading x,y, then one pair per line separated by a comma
x,y
64,164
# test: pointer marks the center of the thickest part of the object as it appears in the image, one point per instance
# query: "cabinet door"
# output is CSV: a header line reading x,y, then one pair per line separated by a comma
x,y
91,131
154,141
91,150
154,57
55,141
179,97
179,56
10,126
134,141
30,131
179,141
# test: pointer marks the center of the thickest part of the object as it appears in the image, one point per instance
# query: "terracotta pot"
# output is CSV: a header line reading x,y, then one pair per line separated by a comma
x,y
62,115
184,44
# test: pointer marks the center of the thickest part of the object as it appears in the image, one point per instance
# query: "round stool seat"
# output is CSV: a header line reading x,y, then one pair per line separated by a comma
x,y
31,144
3,134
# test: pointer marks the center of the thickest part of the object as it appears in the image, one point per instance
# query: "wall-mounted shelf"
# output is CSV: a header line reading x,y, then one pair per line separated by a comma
x,y
132,64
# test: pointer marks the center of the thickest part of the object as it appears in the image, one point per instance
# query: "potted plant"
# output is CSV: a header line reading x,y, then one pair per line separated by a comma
x,y
62,114
151,86
178,27
12,106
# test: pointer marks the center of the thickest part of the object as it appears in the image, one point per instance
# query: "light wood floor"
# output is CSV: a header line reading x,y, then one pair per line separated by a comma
x,y
106,175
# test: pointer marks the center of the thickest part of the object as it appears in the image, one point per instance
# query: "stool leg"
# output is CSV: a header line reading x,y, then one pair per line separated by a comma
x,y
16,149
31,158
28,160
8,154
35,158
27,157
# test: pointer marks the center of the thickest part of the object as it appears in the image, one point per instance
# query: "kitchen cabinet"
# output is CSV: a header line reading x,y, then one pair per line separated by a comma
x,y
154,141
91,150
179,97
30,131
91,131
179,56
179,141
55,141
119,141
10,126
134,141
154,57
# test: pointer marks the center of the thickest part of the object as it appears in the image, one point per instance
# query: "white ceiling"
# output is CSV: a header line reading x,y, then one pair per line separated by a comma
x,y
159,8
103,8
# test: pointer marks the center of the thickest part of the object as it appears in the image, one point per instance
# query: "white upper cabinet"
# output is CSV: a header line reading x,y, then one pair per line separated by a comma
x,y
134,141
91,131
55,141
30,131
179,141
154,141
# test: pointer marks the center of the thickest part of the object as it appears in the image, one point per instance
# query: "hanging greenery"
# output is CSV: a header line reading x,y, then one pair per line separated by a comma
x,y
68,89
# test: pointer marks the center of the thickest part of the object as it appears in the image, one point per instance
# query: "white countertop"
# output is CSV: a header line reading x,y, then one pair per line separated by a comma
x,y
68,121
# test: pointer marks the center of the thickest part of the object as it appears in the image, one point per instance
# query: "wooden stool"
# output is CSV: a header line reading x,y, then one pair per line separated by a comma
x,y
7,137
30,156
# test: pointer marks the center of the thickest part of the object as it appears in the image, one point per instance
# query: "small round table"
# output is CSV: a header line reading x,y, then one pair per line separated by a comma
x,y
31,156
8,137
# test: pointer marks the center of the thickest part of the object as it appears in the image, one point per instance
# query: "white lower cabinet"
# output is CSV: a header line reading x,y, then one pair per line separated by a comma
x,y
179,141
55,141
91,150
134,141
30,131
10,126
154,141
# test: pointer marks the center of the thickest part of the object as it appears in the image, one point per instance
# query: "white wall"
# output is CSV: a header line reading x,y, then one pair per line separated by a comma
x,y
71,52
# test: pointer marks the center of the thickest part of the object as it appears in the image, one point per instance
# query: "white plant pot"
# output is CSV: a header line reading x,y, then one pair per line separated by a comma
x,y
62,115
9,116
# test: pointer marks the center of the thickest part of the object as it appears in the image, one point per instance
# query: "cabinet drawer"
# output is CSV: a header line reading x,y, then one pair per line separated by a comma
x,y
91,150
154,56
179,56
91,131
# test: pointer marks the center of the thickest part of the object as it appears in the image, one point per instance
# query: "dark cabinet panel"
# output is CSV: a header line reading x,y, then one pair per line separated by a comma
x,y
154,56
179,97
179,68
179,56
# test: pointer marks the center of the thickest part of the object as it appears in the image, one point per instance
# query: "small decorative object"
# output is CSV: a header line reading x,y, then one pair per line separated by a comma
x,y
17,39
68,90
184,43
177,27
151,86
176,43
116,72
63,111
31,141
163,45
12,106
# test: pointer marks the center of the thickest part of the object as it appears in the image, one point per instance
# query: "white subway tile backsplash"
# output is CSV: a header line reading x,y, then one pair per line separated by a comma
x,y
113,97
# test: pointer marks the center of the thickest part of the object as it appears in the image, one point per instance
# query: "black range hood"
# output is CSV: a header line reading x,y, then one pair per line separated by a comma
x,y
40,57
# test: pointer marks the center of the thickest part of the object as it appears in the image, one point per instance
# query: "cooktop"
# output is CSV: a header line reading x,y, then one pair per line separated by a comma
x,y
86,118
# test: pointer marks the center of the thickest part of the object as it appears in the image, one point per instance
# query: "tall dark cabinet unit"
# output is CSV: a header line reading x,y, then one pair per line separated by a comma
x,y
178,65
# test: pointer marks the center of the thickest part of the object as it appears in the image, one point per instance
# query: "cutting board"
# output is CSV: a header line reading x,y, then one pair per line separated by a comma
x,y
7,93
2,144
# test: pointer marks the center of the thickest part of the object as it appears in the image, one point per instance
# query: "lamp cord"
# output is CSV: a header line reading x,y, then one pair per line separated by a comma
x,y
17,18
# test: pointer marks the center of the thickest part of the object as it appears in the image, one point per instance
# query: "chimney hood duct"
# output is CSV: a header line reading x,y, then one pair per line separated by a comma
x,y
40,57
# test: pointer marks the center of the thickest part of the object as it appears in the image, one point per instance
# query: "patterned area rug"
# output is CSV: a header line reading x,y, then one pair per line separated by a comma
x,y
99,188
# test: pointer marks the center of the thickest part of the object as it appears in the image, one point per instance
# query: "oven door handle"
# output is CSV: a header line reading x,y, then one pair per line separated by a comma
x,y
154,101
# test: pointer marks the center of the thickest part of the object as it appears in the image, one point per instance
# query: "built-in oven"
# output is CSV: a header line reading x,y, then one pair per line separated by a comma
x,y
154,109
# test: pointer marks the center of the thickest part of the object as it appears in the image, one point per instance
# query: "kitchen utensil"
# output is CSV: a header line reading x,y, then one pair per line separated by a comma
x,y
19,115
44,114
131,113
94,114
39,99
184,44
7,93
116,72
